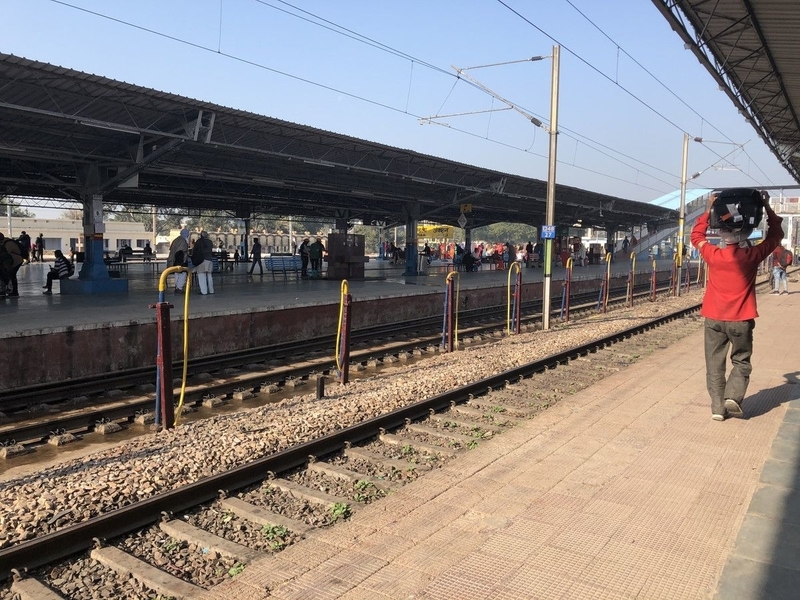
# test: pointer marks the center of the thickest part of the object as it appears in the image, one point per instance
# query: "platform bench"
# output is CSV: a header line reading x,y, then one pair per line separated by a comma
x,y
287,265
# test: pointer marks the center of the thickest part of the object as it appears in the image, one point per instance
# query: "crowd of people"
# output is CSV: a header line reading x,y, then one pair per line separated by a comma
x,y
198,257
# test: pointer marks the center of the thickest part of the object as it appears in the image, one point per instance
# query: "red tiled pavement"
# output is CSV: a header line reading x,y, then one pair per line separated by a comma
x,y
625,490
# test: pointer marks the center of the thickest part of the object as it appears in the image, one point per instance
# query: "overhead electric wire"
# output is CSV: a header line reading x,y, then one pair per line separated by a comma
x,y
379,45
664,85
365,40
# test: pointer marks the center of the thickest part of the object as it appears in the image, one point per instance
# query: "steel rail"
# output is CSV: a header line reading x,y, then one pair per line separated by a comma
x,y
21,398
38,429
79,537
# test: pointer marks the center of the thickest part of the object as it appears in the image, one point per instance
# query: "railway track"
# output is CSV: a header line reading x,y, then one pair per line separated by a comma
x,y
105,404
182,541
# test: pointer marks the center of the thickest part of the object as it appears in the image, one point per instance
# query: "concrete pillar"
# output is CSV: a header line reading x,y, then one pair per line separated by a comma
x,y
93,277
411,210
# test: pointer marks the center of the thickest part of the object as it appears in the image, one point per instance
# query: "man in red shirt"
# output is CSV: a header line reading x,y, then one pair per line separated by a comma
x,y
729,307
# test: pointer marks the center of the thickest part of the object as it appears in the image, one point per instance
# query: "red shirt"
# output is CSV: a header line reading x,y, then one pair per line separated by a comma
x,y
731,292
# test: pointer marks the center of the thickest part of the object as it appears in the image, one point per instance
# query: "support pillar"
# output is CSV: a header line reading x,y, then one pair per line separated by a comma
x,y
93,277
412,251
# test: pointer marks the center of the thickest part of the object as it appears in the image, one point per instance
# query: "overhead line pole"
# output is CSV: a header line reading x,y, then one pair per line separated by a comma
x,y
551,190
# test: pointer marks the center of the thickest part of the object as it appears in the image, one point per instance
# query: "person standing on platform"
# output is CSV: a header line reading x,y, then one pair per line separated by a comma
x,y
256,256
60,270
538,250
729,306
528,254
25,240
315,252
203,263
305,254
178,253
39,255
625,243
12,261
781,259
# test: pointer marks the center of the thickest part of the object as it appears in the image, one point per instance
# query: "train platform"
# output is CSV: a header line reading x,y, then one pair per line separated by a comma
x,y
35,313
627,489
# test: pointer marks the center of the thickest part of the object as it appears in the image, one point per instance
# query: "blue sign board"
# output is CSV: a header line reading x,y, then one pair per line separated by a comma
x,y
548,232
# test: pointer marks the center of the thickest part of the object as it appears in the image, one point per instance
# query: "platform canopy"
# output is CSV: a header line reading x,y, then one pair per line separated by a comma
x,y
67,135
752,49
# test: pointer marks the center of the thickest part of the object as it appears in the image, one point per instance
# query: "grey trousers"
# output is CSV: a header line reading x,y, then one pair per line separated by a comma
x,y
718,336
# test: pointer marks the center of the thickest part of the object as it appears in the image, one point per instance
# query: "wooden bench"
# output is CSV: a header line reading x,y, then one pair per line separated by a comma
x,y
283,264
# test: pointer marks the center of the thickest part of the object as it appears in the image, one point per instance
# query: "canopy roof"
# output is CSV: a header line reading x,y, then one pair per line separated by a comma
x,y
70,135
751,49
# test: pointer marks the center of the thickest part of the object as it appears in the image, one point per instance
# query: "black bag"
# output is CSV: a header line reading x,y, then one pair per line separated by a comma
x,y
197,255
739,209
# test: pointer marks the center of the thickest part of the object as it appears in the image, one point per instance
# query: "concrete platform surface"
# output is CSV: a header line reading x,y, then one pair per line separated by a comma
x,y
625,490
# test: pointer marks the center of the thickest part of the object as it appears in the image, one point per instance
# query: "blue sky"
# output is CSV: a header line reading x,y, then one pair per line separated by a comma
x,y
271,58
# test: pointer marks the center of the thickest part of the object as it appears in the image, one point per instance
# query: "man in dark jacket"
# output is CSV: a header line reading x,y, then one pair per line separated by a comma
x,y
203,263
305,255
729,306
25,241
12,264
256,255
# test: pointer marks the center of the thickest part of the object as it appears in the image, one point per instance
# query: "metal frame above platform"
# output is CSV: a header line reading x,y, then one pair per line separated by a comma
x,y
67,134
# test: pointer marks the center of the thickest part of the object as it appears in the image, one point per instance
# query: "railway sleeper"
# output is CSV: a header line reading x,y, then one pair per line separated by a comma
x,y
389,465
261,516
352,477
447,419
181,530
494,417
213,402
497,406
157,580
420,447
33,589
107,428
441,434
13,451
302,492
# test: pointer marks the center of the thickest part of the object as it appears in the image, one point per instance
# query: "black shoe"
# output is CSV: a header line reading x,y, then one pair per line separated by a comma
x,y
13,295
733,408
47,292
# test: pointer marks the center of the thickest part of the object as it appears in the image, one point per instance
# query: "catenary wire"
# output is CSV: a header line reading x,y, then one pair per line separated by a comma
x,y
327,87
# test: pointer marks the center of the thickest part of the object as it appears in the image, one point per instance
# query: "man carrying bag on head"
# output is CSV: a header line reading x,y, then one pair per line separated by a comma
x,y
729,304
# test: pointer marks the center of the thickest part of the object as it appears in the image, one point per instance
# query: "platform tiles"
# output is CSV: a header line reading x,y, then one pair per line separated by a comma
x,y
626,490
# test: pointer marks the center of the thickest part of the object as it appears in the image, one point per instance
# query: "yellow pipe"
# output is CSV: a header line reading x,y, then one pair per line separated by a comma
x,y
458,290
162,286
608,275
344,290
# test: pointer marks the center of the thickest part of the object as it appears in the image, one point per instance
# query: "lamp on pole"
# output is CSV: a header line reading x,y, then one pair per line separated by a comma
x,y
682,213
551,192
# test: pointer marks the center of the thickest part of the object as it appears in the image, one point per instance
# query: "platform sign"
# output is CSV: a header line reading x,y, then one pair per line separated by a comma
x,y
548,232
432,231
462,221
